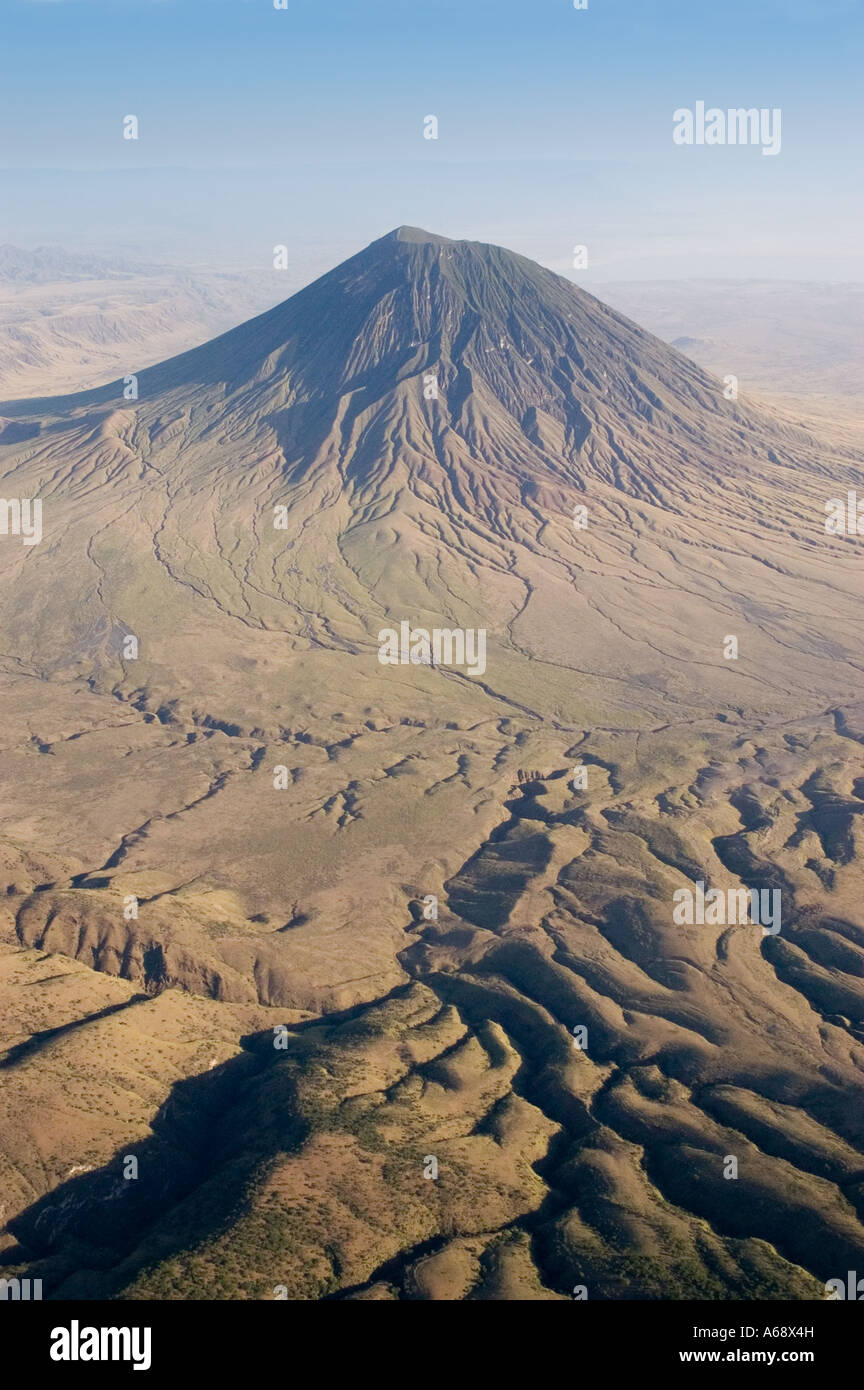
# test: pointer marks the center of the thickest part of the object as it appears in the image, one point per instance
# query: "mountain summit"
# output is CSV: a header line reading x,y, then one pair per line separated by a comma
x,y
486,319
429,415
417,236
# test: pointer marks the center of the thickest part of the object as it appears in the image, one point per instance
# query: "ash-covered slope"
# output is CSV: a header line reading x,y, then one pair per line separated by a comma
x,y
567,379
361,325
429,414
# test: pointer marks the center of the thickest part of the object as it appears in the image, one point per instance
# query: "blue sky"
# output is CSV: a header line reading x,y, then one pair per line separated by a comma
x,y
305,126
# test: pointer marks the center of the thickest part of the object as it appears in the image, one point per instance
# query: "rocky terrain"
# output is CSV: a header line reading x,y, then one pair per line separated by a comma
x,y
76,320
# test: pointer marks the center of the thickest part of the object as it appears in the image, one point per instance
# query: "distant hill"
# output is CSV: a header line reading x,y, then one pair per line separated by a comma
x,y
790,338
46,264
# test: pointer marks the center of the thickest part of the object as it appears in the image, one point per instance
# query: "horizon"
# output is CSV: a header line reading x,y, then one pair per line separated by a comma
x,y
578,152
117,257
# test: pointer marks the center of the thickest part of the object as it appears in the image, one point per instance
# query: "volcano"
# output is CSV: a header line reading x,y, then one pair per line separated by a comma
x,y
449,883
430,417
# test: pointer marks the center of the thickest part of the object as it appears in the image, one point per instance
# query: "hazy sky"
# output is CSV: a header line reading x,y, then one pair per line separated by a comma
x,y
304,126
